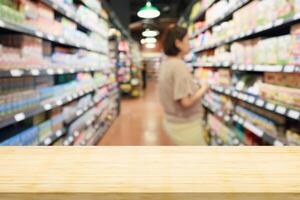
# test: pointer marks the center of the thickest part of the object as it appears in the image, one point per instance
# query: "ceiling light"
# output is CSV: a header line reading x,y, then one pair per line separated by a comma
x,y
150,46
150,40
148,11
143,41
150,33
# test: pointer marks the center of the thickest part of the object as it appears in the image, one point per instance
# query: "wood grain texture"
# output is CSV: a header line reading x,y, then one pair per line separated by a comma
x,y
150,173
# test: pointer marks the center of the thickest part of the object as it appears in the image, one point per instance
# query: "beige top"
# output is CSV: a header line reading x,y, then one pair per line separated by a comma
x,y
175,83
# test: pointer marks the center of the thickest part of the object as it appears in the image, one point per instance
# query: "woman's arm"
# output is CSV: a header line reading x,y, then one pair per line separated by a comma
x,y
192,99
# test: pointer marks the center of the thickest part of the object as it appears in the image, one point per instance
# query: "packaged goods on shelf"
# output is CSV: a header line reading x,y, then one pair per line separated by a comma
x,y
248,83
219,102
283,79
96,5
219,77
217,127
293,138
242,23
257,120
27,137
285,95
9,10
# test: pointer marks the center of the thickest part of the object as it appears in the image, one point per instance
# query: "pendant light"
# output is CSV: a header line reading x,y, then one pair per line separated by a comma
x,y
150,45
148,11
150,33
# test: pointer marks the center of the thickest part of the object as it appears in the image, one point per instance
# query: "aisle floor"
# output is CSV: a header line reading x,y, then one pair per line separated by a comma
x,y
140,122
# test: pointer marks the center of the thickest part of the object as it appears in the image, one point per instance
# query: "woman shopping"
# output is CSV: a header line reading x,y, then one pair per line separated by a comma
x,y
179,94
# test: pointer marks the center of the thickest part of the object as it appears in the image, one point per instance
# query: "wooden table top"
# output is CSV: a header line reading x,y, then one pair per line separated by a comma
x,y
155,172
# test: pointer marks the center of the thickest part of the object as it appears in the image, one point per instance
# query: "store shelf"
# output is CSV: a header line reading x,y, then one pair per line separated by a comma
x,y
257,131
214,65
43,107
258,102
94,10
71,137
226,118
49,37
225,16
52,138
43,72
256,32
202,12
253,67
67,14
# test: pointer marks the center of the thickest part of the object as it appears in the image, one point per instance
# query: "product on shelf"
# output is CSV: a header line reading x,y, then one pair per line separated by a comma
x,y
285,95
227,135
25,138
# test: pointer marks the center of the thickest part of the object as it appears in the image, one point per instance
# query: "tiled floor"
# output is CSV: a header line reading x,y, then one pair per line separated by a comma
x,y
140,122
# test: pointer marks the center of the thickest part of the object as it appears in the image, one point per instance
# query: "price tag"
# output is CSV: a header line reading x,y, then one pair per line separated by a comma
x,y
2,24
47,141
220,113
59,102
289,68
39,34
235,93
60,71
294,114
50,71
35,72
240,96
71,139
270,106
251,99
47,106
54,6
16,72
242,67
61,40
227,118
58,133
296,16
234,67
235,118
281,110
79,112
254,129
19,117
76,134
69,98
66,143
50,37
278,143
259,29
249,67
227,91
278,22
260,103
240,120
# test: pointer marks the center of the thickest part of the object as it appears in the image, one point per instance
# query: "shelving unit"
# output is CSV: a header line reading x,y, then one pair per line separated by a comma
x,y
239,80
45,119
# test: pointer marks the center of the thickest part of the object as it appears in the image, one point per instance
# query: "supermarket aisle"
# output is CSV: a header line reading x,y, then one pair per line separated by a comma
x,y
139,122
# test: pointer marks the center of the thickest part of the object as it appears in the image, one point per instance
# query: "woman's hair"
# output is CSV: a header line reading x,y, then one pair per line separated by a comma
x,y
172,34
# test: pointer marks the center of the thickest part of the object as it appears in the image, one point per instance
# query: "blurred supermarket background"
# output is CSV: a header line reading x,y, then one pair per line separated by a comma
x,y
84,72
